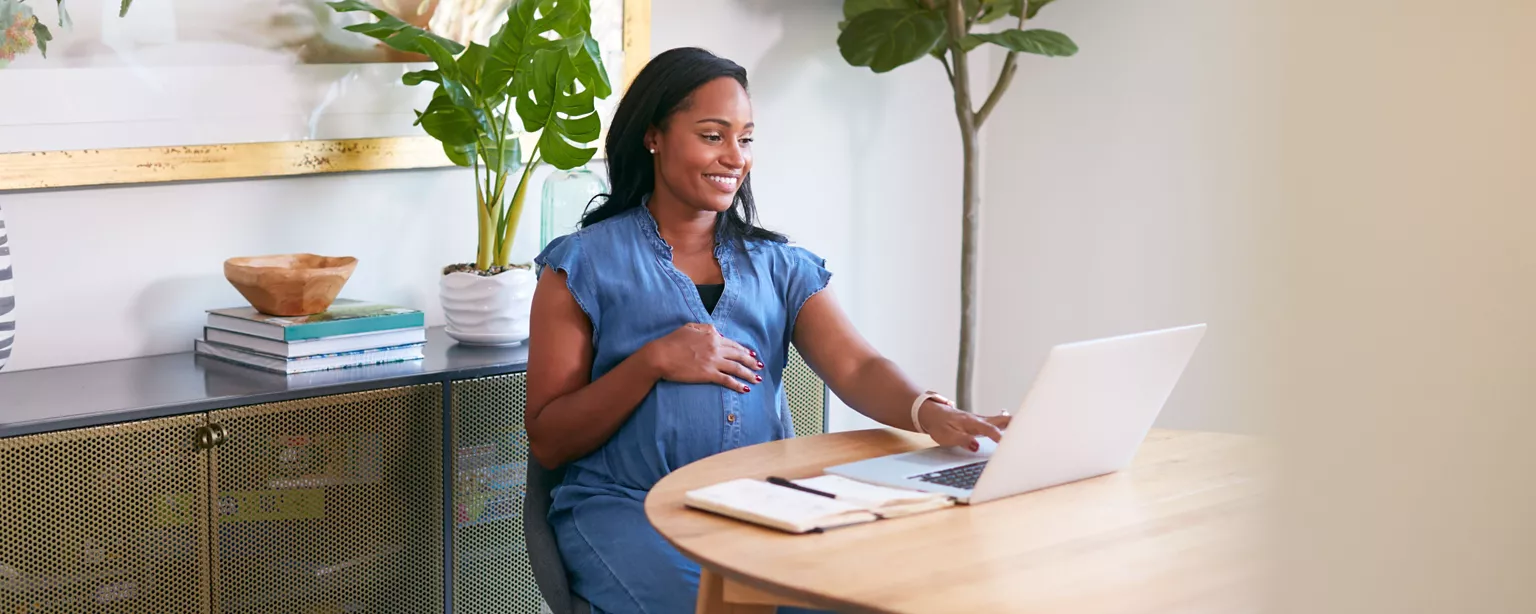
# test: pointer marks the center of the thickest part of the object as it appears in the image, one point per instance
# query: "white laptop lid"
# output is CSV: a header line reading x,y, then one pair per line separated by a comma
x,y
1090,407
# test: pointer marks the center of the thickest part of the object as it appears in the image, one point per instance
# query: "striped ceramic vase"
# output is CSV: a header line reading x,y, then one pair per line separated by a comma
x,y
7,297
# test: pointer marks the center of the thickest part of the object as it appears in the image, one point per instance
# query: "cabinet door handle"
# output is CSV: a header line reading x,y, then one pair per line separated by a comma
x,y
210,437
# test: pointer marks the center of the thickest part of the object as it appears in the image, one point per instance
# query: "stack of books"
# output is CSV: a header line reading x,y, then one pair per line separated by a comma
x,y
349,334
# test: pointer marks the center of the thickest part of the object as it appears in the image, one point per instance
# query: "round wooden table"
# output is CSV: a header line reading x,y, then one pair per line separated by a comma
x,y
1175,531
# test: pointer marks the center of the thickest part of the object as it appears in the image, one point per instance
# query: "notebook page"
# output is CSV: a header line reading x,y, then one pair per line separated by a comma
x,y
773,501
865,494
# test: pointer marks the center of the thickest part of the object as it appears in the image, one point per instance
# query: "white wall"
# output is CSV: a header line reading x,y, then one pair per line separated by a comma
x,y
858,167
1127,188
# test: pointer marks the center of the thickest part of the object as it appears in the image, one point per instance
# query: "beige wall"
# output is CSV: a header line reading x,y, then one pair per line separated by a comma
x,y
1410,391
1347,194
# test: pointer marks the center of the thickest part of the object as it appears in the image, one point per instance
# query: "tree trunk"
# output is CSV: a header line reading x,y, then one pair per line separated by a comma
x,y
970,224
970,237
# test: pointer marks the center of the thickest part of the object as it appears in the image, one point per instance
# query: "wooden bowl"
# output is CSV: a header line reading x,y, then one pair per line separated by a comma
x,y
289,284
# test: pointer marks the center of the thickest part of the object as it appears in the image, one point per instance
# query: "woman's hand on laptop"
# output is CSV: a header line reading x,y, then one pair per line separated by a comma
x,y
951,427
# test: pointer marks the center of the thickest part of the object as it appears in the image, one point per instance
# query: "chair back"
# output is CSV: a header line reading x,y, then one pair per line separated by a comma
x,y
807,395
543,552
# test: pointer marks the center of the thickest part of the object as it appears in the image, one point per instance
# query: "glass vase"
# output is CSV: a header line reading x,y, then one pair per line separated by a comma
x,y
566,195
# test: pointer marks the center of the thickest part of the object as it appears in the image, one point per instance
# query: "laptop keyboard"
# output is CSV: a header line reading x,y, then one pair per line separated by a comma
x,y
962,477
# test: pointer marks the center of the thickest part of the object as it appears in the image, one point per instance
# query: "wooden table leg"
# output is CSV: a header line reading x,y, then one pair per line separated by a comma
x,y
712,598
719,595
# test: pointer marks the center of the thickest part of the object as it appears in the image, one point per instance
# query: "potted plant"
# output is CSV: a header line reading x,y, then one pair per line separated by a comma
x,y
544,63
885,34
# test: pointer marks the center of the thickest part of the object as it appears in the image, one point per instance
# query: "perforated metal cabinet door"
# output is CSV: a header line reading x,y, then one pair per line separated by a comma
x,y
330,504
807,396
489,447
105,519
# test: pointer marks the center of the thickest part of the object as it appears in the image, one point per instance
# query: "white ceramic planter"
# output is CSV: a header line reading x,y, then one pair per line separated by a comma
x,y
487,310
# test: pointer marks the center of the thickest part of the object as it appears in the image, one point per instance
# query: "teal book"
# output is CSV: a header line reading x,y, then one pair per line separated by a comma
x,y
345,317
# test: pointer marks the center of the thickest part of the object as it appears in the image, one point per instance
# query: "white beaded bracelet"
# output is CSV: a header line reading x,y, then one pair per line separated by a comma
x,y
918,404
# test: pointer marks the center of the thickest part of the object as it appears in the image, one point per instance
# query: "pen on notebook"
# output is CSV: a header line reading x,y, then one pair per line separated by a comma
x,y
786,483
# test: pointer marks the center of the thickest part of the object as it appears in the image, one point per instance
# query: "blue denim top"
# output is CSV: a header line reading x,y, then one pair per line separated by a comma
x,y
620,272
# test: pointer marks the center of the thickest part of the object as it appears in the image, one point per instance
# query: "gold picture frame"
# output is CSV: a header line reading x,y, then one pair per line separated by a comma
x,y
133,165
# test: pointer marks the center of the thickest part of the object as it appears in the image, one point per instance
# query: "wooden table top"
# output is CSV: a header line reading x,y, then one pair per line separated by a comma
x,y
1175,531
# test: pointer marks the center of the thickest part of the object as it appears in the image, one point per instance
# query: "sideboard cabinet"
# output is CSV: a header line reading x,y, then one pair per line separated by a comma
x,y
183,485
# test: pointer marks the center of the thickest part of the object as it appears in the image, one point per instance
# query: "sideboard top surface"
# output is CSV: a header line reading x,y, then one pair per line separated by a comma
x,y
93,394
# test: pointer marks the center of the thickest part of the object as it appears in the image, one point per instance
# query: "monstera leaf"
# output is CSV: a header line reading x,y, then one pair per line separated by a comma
x,y
555,100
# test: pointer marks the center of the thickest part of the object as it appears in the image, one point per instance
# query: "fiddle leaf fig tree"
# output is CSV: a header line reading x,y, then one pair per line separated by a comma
x,y
885,34
544,63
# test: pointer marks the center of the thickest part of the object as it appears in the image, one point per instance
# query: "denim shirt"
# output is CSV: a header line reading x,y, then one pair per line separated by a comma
x,y
620,272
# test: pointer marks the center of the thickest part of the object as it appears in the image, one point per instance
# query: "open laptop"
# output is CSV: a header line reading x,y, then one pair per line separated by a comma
x,y
1089,409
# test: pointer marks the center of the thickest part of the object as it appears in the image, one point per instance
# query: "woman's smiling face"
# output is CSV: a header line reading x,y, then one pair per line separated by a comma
x,y
704,150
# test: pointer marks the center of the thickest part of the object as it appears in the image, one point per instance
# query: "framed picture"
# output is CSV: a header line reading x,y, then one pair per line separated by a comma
x,y
178,90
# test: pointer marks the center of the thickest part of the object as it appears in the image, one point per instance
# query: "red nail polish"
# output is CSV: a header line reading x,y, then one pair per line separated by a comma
x,y
746,389
754,355
974,446
759,378
759,365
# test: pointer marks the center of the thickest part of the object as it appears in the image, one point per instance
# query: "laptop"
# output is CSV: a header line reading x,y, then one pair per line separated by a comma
x,y
1090,407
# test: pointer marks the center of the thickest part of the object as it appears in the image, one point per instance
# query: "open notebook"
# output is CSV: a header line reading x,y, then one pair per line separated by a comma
x,y
797,511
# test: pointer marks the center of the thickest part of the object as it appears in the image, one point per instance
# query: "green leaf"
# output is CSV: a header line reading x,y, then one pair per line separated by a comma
x,y
584,129
561,16
462,155
884,39
562,155
590,70
41,33
575,103
492,155
507,45
1034,8
454,125
122,11
417,40
538,89
549,100
381,29
343,6
417,77
993,10
394,32
972,8
854,8
471,64
1039,42
448,78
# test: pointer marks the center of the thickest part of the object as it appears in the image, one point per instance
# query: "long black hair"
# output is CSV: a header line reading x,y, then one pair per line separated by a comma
x,y
661,87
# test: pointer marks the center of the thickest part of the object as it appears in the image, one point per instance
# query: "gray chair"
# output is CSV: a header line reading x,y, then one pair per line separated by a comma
x,y
543,553
807,396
